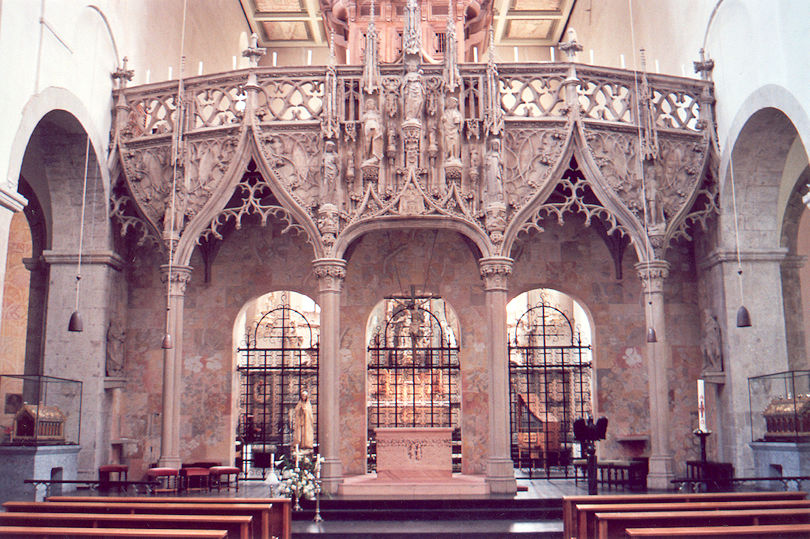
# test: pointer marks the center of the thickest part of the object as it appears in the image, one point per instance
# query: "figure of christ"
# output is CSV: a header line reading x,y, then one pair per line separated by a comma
x,y
303,422
372,133
414,92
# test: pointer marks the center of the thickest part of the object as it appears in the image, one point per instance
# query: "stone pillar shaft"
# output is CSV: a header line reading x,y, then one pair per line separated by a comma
x,y
10,203
330,273
173,365
495,272
653,274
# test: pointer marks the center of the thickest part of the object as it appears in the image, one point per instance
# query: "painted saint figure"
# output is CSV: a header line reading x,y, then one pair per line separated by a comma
x,y
372,133
303,421
451,130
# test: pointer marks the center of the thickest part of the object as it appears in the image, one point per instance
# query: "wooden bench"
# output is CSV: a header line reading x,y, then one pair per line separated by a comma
x,y
612,525
237,526
773,530
570,519
47,531
280,517
586,527
261,512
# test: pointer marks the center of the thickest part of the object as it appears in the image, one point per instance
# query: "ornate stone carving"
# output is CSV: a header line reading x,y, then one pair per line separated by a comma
x,y
180,276
329,224
372,134
330,273
371,58
653,273
529,157
496,221
413,92
116,336
495,272
330,179
452,122
254,52
412,32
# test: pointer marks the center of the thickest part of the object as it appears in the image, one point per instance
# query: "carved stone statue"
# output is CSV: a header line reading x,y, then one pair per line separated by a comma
x,y
115,349
493,173
303,421
414,93
712,344
331,173
373,134
451,130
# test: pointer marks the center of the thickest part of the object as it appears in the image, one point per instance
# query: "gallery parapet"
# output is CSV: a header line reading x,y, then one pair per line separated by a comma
x,y
528,91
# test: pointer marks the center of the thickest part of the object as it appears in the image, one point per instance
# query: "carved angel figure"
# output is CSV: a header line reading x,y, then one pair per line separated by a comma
x,y
373,133
451,130
414,93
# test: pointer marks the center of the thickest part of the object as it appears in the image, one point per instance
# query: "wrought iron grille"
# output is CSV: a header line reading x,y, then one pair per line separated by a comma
x,y
550,386
278,361
413,373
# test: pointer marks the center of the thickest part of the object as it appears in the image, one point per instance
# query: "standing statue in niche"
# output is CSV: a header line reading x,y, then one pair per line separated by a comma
x,y
372,133
331,171
414,92
712,343
493,173
451,130
303,422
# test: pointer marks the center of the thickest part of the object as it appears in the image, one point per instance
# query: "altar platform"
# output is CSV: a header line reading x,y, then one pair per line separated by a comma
x,y
404,484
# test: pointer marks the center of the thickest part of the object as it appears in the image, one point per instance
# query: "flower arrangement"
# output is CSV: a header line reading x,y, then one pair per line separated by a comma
x,y
299,478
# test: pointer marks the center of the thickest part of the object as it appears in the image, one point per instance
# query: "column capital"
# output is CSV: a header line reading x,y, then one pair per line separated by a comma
x,y
653,270
330,273
108,258
180,277
495,271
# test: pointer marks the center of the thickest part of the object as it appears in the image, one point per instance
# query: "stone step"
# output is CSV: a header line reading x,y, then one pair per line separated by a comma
x,y
409,529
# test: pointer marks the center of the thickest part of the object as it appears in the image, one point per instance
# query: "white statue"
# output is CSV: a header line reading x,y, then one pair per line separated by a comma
x,y
451,130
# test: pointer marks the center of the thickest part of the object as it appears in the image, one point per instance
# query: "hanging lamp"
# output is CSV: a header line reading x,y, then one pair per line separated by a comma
x,y
743,316
76,324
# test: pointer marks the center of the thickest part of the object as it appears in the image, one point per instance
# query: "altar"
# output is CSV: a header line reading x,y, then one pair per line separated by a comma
x,y
414,452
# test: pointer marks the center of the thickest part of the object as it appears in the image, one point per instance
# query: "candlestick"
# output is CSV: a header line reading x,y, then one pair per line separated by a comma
x,y
701,406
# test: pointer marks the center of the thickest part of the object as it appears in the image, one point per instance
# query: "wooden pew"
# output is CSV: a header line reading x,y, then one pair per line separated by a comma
x,y
613,525
586,512
280,517
570,520
772,530
47,531
261,512
237,526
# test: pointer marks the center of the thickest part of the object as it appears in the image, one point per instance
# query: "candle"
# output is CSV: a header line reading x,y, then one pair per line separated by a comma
x,y
148,76
475,54
234,62
657,66
701,406
309,57
621,59
318,467
275,58
591,56
553,54
296,456
516,54
272,461
170,72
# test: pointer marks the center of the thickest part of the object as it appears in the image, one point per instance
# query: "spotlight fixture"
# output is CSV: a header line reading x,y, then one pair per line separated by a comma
x,y
76,324
743,317
167,342
651,337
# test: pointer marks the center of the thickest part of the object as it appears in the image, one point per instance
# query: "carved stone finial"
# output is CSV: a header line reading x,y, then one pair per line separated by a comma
x,y
704,66
371,58
451,74
649,133
254,52
122,75
572,46
412,33
330,123
493,115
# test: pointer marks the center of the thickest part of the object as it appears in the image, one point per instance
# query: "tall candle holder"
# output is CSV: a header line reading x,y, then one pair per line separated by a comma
x,y
317,517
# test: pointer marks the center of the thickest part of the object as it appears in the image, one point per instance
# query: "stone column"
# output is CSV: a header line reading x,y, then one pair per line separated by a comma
x,y
173,365
653,273
330,273
495,272
81,356
10,203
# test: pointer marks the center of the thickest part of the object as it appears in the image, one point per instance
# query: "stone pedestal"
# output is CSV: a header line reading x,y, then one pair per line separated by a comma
x,y
18,463
781,459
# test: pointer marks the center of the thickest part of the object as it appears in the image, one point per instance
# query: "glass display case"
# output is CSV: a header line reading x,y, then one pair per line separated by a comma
x,y
779,406
40,410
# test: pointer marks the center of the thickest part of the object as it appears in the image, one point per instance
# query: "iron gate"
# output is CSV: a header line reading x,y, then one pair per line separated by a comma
x,y
413,373
550,386
278,361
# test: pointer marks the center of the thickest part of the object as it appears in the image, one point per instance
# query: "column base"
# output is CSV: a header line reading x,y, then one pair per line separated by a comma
x,y
661,473
501,476
331,476
170,462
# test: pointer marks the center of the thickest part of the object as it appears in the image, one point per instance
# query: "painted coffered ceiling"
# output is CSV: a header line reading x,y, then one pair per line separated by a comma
x,y
293,23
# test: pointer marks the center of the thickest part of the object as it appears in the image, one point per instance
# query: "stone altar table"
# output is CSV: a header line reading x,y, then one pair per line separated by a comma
x,y
414,452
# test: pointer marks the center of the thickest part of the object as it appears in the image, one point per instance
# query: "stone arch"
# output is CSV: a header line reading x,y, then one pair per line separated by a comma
x,y
49,100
